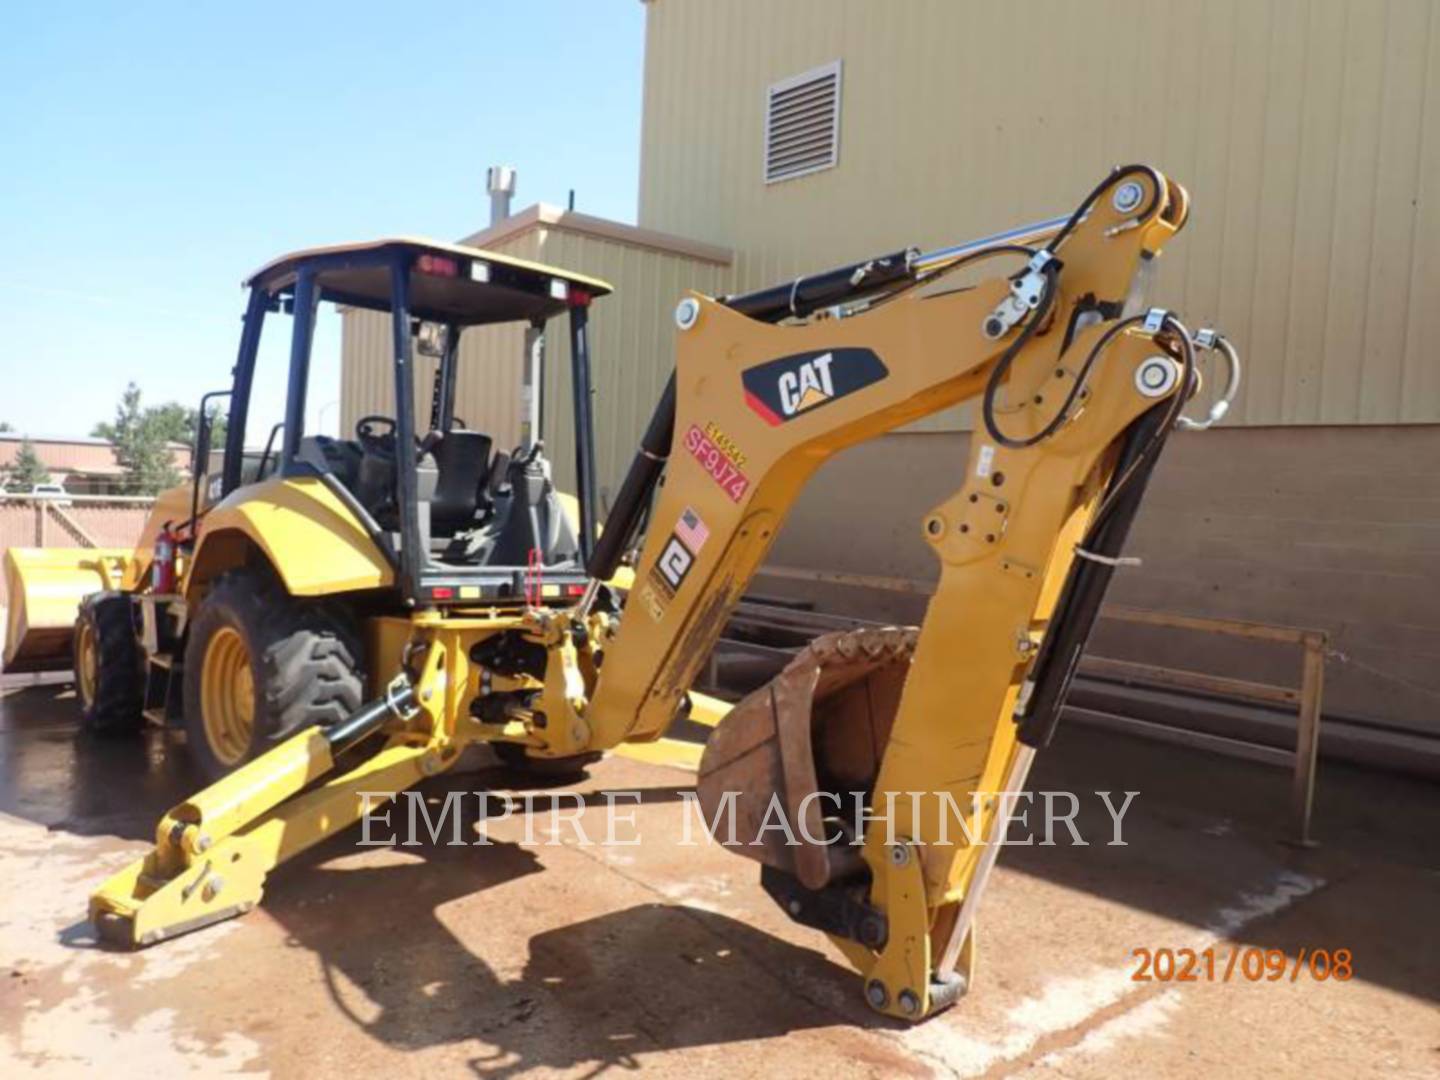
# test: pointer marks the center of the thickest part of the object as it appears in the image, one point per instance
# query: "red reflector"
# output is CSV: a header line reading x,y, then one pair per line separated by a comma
x,y
574,590
579,297
438,265
442,592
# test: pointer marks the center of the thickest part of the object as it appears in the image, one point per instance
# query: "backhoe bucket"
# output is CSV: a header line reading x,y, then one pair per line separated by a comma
x,y
44,587
819,728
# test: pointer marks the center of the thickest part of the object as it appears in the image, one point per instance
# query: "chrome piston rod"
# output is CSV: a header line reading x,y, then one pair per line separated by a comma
x,y
930,261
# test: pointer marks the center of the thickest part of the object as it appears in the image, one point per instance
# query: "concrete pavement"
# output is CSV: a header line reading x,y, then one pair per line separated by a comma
x,y
574,960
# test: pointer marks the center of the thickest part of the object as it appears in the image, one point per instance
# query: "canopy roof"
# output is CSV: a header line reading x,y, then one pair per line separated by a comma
x,y
448,284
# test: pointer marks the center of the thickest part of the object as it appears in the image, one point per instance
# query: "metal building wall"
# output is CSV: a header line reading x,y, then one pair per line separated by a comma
x,y
1306,130
631,345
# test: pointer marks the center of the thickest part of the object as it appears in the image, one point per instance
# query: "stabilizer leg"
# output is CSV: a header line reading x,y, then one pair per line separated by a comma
x,y
213,851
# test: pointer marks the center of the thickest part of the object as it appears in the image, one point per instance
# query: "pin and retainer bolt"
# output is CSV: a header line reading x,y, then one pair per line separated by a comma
x,y
687,313
1127,196
876,994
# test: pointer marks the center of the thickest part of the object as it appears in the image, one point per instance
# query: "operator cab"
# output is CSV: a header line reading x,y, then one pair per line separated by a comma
x,y
461,518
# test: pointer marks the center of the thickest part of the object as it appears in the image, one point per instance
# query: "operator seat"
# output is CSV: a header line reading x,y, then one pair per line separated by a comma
x,y
462,461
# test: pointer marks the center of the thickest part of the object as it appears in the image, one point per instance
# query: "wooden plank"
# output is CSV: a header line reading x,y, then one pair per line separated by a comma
x,y
813,622
731,647
1150,674
840,577
1233,627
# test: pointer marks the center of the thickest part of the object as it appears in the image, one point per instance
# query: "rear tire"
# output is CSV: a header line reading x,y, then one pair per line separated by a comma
x,y
108,678
261,665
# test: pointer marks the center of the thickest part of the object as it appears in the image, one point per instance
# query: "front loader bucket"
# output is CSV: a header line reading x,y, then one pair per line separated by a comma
x,y
44,587
820,726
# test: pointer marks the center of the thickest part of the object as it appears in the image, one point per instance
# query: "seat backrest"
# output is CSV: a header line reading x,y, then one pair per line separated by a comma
x,y
462,459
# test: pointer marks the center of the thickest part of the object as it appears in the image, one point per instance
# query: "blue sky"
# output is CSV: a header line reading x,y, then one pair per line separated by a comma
x,y
151,155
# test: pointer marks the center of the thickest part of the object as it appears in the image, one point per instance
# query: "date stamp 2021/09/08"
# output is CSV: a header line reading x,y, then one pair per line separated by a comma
x,y
1241,963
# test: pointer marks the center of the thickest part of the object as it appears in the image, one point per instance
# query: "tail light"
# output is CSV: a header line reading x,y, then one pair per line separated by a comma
x,y
437,265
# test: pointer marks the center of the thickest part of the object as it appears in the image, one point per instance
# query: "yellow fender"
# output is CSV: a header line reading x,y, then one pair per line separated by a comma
x,y
313,540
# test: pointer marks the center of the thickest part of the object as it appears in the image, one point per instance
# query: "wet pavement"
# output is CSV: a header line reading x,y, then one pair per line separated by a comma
x,y
561,958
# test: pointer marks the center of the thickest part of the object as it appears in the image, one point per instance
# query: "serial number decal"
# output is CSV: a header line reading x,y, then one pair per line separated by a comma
x,y
725,443
780,390
718,457
654,606
1241,964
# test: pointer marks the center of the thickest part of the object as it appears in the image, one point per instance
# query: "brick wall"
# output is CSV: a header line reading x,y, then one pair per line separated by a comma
x,y
108,524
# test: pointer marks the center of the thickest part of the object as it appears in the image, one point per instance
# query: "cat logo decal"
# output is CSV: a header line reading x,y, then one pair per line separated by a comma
x,y
780,390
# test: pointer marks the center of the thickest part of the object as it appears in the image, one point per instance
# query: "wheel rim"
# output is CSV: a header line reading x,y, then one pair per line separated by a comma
x,y
227,696
87,663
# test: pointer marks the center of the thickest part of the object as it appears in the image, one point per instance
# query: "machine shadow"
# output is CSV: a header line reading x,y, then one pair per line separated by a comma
x,y
1206,833
394,966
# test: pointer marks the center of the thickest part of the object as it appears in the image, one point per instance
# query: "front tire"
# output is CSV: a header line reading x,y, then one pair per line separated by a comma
x,y
108,677
261,665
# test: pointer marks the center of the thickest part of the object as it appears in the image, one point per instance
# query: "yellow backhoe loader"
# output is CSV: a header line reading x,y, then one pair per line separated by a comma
x,y
408,593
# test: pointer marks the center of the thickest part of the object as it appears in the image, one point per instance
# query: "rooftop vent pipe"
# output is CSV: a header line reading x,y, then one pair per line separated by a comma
x,y
500,182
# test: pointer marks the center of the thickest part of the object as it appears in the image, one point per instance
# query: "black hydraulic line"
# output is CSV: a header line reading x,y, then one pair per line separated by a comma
x,y
1079,604
1051,270
1051,273
369,718
634,495
810,293
1119,173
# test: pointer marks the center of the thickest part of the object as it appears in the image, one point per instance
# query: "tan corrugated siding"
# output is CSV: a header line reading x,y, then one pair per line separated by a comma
x,y
488,390
1308,132
631,347
366,382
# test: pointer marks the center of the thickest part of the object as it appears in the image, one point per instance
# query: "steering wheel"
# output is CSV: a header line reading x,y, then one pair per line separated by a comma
x,y
383,443
379,442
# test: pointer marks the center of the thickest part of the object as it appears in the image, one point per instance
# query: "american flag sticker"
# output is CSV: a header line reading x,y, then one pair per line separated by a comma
x,y
691,530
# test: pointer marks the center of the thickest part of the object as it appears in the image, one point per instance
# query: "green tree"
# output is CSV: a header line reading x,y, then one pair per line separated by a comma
x,y
142,444
28,470
171,421
4,426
